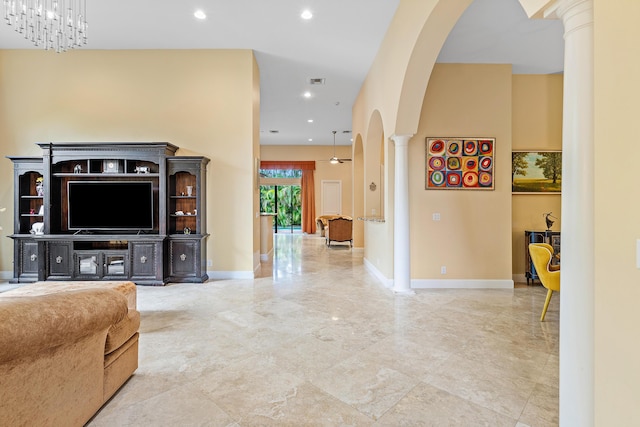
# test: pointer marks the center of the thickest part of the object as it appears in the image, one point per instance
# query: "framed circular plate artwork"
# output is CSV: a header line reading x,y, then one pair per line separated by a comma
x,y
459,163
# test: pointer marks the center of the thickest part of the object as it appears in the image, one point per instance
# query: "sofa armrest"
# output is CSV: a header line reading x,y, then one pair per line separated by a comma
x,y
32,324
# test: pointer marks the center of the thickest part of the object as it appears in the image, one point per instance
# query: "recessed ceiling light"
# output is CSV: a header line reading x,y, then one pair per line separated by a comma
x,y
310,139
306,14
310,121
200,14
307,95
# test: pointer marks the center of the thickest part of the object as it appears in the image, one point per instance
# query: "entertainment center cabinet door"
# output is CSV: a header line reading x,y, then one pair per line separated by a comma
x,y
184,260
59,265
146,265
27,267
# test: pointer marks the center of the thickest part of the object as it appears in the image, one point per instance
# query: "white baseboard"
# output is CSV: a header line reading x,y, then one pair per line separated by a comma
x,y
6,275
461,284
226,275
387,283
266,257
442,284
519,278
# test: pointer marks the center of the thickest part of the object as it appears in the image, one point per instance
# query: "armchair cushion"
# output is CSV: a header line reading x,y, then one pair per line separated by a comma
x,y
340,230
541,256
322,222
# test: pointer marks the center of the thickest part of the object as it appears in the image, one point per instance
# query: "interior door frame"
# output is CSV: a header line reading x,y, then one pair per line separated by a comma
x,y
324,187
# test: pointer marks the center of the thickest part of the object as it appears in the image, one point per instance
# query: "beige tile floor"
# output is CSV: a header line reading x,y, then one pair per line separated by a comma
x,y
319,342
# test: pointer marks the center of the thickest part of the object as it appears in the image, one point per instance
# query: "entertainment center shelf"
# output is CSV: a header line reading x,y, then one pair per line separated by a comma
x,y
106,166
110,211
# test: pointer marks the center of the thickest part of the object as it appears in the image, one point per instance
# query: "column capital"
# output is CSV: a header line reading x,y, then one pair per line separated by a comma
x,y
401,139
573,13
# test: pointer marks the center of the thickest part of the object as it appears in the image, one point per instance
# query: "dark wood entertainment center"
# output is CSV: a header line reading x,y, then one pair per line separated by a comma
x,y
162,241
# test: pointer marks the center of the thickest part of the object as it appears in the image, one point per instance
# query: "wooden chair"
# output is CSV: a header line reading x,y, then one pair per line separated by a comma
x,y
339,230
541,257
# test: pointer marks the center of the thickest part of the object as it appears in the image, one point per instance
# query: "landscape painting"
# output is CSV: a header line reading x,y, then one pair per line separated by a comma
x,y
536,172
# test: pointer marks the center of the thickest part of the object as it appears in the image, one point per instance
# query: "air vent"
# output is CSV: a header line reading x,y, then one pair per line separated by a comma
x,y
274,131
346,131
316,81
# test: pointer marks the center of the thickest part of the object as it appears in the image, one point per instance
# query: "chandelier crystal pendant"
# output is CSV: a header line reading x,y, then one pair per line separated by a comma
x,y
52,24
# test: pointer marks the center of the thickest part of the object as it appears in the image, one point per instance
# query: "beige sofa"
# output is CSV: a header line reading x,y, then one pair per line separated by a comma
x,y
322,222
64,351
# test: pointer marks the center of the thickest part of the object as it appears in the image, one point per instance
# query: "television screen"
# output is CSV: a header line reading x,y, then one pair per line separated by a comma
x,y
110,205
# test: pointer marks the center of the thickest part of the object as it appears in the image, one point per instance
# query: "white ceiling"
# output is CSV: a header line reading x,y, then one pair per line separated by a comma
x,y
338,44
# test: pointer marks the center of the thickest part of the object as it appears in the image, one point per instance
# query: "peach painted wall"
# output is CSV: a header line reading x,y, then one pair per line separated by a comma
x,y
393,92
203,101
473,237
255,128
616,213
537,126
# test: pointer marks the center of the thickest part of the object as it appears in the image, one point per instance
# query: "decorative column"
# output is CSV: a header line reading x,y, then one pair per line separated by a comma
x,y
401,243
577,280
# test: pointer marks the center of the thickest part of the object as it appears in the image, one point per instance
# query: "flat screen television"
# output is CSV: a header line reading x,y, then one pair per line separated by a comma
x,y
110,205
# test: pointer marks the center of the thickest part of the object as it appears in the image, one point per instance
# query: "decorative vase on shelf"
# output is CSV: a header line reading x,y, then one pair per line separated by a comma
x,y
39,187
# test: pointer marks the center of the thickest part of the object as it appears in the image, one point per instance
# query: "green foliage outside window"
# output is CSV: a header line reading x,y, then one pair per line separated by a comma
x,y
281,173
289,198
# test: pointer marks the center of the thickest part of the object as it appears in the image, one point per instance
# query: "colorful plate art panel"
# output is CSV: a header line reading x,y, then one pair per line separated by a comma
x,y
459,163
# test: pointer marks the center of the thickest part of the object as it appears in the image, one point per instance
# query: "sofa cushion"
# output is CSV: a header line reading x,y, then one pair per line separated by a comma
x,y
41,322
126,288
119,365
123,330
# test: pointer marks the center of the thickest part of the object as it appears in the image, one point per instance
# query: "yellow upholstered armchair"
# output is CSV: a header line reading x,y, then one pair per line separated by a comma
x,y
339,230
541,255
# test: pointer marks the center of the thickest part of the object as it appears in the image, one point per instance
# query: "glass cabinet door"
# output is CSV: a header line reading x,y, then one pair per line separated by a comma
x,y
88,264
114,265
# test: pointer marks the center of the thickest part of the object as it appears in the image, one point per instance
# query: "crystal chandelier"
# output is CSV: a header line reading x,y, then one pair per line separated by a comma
x,y
52,24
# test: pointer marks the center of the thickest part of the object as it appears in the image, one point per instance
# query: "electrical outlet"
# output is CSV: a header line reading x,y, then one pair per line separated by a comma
x,y
443,269
436,216
209,263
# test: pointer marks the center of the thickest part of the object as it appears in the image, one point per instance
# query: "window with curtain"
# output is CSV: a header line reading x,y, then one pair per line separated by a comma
x,y
307,187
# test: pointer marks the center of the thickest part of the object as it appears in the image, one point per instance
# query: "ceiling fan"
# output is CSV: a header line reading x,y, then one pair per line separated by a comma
x,y
334,160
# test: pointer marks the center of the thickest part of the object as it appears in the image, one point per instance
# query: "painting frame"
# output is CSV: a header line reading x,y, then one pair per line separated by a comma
x,y
536,172
460,163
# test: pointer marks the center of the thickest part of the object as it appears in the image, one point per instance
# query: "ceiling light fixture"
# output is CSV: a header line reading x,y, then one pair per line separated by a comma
x,y
310,121
334,160
52,24
306,14
307,94
200,14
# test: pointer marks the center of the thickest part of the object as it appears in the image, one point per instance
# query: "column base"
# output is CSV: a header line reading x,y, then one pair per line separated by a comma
x,y
404,291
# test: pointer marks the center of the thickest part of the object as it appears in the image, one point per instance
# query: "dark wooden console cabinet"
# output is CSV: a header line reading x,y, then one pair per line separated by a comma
x,y
172,248
549,237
